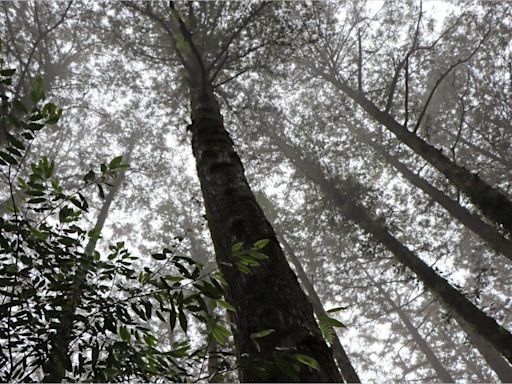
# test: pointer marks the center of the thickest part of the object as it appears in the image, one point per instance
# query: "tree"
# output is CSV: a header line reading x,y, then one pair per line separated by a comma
x,y
459,306
490,200
236,220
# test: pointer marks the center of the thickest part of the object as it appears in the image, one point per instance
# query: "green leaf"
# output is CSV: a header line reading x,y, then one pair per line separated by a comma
x,y
226,305
220,334
332,322
124,333
115,162
15,142
261,243
183,321
237,247
150,340
306,360
260,334
11,160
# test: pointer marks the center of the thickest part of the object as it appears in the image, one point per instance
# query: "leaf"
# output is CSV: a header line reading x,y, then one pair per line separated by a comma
x,y
150,340
158,256
220,334
237,247
226,305
89,176
7,72
124,333
265,332
15,142
11,160
336,309
261,243
115,162
332,322
183,321
306,360
258,255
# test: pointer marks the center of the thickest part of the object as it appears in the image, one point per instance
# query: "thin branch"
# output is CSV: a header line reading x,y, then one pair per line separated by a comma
x,y
442,77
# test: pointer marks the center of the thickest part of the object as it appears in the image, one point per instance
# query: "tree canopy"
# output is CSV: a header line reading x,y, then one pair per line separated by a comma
x,y
255,191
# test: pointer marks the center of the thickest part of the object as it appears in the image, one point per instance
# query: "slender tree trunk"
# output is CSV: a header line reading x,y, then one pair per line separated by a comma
x,y
441,372
347,370
270,297
497,363
492,202
59,360
199,255
469,317
468,361
487,232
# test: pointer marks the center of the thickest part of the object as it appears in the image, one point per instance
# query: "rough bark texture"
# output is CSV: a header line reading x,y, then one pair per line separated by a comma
x,y
455,302
489,200
59,360
487,232
347,370
270,297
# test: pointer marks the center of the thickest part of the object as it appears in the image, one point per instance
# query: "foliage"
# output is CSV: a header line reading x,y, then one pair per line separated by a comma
x,y
47,274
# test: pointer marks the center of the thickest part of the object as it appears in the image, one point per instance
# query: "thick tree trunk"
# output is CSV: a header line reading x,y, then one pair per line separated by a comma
x,y
270,297
475,321
487,232
59,359
490,201
441,372
347,370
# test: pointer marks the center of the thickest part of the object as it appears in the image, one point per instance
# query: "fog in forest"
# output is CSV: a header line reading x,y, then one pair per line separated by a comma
x,y
251,191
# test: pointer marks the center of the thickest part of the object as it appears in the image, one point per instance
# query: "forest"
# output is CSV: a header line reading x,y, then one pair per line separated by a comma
x,y
256,191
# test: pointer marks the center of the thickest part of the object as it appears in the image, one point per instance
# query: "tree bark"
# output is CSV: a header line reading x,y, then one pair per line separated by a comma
x,y
347,370
469,317
270,297
492,202
487,232
59,360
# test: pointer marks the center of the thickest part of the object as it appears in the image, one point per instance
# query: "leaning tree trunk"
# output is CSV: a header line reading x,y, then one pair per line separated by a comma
x,y
487,232
492,202
270,297
441,372
347,370
59,360
470,318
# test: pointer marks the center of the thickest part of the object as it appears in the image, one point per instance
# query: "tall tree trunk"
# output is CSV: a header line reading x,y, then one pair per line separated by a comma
x,y
491,201
497,363
468,361
270,297
487,232
59,360
469,317
347,370
441,372
201,256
